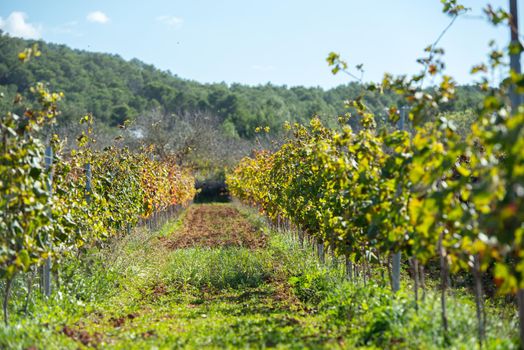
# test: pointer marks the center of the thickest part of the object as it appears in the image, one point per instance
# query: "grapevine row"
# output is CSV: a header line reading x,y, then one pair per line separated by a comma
x,y
81,197
427,193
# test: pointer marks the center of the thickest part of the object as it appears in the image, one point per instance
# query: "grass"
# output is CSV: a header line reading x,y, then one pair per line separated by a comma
x,y
139,293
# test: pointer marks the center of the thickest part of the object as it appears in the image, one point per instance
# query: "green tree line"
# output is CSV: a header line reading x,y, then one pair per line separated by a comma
x,y
115,90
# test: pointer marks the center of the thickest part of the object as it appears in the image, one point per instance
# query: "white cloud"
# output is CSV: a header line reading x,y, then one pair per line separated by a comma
x,y
97,17
171,21
16,25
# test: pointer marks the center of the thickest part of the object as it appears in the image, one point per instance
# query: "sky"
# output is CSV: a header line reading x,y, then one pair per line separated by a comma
x,y
253,42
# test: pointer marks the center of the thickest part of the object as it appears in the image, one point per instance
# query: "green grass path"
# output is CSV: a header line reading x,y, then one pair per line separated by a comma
x,y
227,290
217,278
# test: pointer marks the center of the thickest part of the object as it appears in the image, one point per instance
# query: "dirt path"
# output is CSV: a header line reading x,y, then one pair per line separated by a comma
x,y
215,226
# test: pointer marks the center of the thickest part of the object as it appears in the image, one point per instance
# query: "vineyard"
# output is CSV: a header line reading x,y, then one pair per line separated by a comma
x,y
397,226
420,194
56,204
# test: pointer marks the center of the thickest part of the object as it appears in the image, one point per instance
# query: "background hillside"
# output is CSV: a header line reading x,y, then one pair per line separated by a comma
x,y
209,127
114,90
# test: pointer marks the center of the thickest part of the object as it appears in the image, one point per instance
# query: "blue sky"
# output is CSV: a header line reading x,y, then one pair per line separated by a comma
x,y
255,42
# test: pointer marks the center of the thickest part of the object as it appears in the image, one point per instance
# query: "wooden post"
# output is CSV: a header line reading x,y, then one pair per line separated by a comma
x,y
479,299
349,268
422,282
415,278
89,188
46,271
520,299
321,253
516,100
7,293
397,256
443,285
395,273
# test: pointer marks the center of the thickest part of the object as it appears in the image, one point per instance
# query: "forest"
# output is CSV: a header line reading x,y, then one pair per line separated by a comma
x,y
115,90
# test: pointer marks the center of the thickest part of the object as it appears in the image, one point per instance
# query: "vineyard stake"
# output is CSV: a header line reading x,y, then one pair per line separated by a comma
x,y
479,300
349,268
321,254
46,277
516,100
443,285
89,188
8,285
396,272
397,255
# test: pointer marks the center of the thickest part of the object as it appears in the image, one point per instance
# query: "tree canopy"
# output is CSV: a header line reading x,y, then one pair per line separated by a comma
x,y
115,90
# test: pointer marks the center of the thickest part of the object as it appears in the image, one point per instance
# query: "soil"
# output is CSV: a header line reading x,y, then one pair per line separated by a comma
x,y
212,225
82,336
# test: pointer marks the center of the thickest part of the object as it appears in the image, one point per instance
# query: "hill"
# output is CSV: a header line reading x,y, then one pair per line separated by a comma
x,y
114,90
